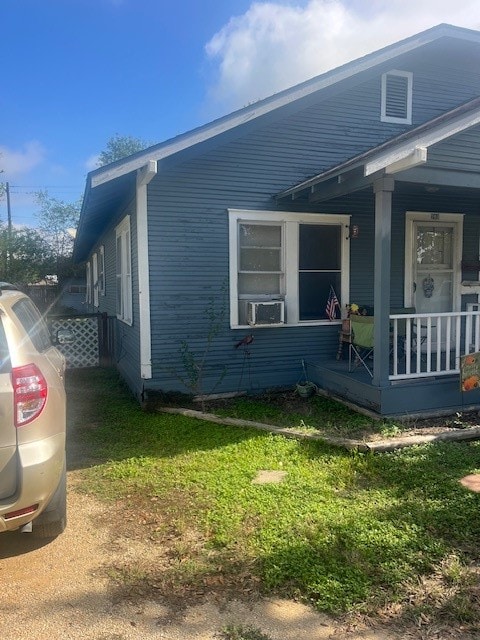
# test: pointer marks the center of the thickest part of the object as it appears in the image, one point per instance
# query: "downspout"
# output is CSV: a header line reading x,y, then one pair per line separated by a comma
x,y
144,176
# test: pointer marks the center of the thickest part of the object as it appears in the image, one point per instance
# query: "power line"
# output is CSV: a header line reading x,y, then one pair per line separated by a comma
x,y
59,187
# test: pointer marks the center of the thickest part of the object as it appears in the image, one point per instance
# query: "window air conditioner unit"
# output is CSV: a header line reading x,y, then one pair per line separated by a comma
x,y
269,313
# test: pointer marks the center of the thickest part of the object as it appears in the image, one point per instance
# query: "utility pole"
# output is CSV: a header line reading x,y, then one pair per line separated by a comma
x,y
9,228
9,208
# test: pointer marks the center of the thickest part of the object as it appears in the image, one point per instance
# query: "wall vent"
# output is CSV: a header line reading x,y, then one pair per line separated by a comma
x,y
397,97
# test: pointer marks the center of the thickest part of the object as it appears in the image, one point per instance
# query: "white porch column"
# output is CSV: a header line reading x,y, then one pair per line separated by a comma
x,y
383,189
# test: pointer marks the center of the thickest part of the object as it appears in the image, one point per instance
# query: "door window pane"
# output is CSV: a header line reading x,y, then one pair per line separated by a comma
x,y
434,246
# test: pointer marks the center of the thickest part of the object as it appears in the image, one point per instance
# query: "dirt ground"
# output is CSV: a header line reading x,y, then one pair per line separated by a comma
x,y
64,589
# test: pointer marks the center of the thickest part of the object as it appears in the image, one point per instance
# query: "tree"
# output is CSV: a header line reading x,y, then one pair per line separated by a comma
x,y
119,147
57,220
24,255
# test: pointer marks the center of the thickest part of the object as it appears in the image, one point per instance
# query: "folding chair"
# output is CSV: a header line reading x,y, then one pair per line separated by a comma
x,y
362,342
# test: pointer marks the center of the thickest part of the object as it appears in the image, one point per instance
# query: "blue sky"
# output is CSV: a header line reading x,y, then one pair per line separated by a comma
x,y
76,72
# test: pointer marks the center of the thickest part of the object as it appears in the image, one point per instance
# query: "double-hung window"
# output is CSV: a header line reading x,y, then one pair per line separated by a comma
x,y
124,272
98,275
88,278
95,279
290,258
101,270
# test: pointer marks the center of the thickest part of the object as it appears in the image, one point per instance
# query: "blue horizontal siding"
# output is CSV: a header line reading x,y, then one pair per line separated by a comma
x,y
188,220
188,225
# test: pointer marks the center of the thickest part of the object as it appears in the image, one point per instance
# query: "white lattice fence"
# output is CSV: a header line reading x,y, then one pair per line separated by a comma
x,y
84,350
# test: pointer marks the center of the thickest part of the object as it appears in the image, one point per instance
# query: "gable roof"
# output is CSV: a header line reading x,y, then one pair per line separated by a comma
x,y
262,107
107,187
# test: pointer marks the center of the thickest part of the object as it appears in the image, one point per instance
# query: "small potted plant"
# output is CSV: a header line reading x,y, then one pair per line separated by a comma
x,y
304,387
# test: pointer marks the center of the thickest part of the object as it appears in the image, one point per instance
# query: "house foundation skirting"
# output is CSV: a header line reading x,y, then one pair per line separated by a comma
x,y
422,397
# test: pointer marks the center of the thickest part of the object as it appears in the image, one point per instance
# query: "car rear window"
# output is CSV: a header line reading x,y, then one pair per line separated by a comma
x,y
33,324
5,366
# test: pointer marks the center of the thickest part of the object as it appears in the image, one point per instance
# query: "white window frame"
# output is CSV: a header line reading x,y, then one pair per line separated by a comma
x,y
95,279
88,278
403,74
101,270
124,271
290,259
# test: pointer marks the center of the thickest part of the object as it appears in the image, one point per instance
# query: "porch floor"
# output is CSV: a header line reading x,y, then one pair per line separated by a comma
x,y
419,397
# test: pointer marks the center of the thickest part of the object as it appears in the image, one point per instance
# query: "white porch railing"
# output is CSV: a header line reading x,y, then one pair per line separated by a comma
x,y
427,345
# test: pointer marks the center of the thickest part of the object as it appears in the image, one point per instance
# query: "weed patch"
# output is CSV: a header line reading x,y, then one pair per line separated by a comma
x,y
241,632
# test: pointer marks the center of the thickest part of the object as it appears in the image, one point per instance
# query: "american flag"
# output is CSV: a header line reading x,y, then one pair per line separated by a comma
x,y
332,304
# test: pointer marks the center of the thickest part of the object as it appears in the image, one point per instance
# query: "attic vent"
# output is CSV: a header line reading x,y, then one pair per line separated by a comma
x,y
397,97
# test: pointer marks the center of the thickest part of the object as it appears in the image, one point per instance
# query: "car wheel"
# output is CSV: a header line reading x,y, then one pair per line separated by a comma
x,y
53,520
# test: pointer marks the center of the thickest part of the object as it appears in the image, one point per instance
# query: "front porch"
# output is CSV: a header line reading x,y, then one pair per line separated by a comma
x,y
424,367
414,243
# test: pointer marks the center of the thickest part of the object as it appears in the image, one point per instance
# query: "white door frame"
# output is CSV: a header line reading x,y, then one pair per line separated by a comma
x,y
421,216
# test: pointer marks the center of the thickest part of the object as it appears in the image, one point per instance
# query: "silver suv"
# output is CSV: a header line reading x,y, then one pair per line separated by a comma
x,y
32,420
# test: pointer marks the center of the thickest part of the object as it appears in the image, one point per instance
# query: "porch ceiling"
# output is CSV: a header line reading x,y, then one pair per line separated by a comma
x,y
431,155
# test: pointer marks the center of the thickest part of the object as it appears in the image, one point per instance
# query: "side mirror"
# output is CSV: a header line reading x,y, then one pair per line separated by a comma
x,y
65,336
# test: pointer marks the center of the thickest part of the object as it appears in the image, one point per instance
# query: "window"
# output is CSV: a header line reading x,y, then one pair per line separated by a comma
x,y
88,278
95,279
98,275
290,257
101,271
124,272
397,97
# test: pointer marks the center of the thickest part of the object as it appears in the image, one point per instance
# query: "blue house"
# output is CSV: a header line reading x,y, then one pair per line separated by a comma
x,y
216,251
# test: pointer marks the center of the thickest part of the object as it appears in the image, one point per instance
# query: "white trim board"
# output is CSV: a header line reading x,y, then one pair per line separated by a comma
x,y
144,176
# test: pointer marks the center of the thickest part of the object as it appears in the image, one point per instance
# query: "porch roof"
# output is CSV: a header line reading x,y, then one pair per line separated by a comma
x,y
407,156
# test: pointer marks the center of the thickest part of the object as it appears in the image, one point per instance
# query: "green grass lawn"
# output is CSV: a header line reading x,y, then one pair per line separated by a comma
x,y
343,531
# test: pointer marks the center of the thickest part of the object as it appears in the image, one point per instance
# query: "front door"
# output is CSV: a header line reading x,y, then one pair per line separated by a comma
x,y
432,264
433,267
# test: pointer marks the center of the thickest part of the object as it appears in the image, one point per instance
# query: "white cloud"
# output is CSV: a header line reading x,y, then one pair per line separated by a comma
x,y
92,162
275,45
15,163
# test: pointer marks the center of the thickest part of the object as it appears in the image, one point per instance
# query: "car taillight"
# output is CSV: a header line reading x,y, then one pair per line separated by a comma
x,y
30,393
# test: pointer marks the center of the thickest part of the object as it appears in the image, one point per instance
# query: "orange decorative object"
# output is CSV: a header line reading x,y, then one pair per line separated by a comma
x,y
471,383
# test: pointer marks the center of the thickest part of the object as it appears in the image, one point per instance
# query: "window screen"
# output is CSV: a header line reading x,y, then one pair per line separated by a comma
x,y
319,268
